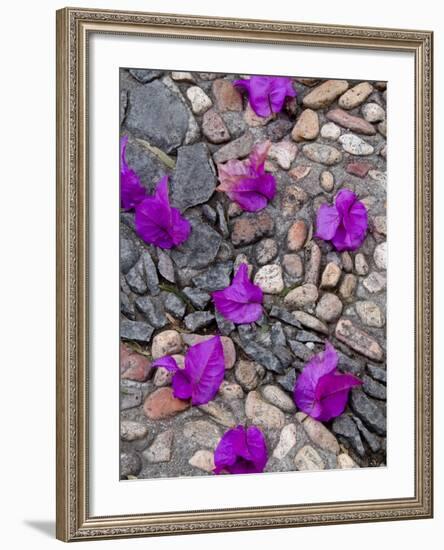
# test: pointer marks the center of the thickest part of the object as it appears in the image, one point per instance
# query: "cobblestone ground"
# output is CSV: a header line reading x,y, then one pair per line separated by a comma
x,y
332,135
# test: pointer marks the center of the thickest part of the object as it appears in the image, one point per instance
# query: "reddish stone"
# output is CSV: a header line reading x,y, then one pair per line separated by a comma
x,y
297,234
133,366
359,169
351,122
162,404
250,228
226,96
213,127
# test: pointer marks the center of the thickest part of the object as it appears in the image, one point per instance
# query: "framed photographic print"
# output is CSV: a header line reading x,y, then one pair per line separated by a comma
x,y
244,274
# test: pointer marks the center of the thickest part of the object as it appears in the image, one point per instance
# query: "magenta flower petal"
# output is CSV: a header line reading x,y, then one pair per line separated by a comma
x,y
182,385
241,302
205,369
267,94
246,182
241,451
167,362
332,394
159,223
345,223
327,222
131,190
320,391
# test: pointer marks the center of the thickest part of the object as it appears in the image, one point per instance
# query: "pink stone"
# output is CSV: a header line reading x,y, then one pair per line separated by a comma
x,y
351,122
162,404
227,96
133,366
359,169
296,236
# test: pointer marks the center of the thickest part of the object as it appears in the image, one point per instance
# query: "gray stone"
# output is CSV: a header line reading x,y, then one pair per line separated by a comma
x,y
265,251
361,264
136,330
198,320
203,460
248,374
330,275
308,458
202,433
287,440
209,212
372,112
368,411
216,277
130,397
200,249
305,336
194,179
132,431
136,280
345,462
148,166
277,335
372,440
127,307
302,296
262,356
375,282
329,308
285,316
358,340
283,354
373,388
370,313
287,381
380,255
238,148
355,145
160,450
128,254
199,100
173,304
378,373
152,309
158,114
278,398
198,298
313,265
225,326
324,154
150,272
145,75
318,433
311,322
222,222
300,350
263,414
269,279
344,426
130,464
165,266
218,413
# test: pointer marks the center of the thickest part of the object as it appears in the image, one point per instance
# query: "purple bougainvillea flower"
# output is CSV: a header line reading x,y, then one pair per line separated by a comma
x,y
246,182
159,223
345,223
267,94
320,390
131,190
241,451
203,373
241,302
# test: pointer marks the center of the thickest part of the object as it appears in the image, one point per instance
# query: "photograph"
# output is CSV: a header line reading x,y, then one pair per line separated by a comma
x,y
253,273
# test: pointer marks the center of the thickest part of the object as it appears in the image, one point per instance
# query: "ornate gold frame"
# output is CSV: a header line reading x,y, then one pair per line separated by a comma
x,y
73,519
